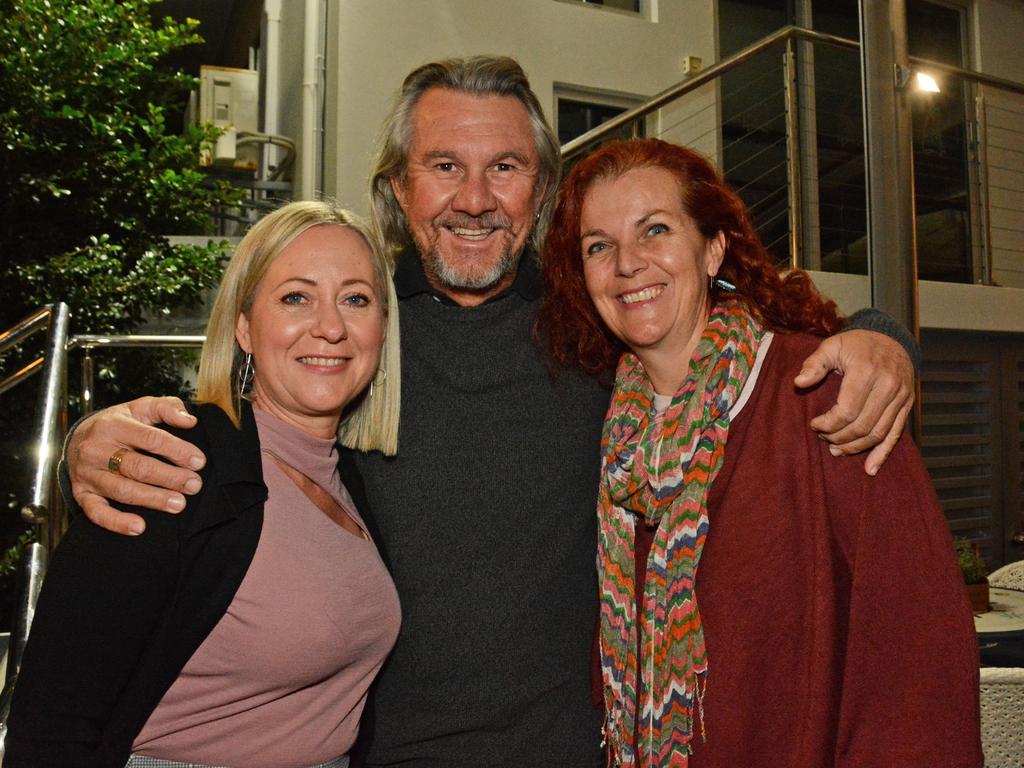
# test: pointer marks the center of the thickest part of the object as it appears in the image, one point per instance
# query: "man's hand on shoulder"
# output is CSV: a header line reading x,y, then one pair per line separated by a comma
x,y
875,397
139,480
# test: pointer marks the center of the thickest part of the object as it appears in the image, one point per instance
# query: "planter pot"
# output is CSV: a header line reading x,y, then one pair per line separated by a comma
x,y
978,595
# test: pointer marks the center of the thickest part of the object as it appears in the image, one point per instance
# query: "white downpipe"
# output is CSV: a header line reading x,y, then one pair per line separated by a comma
x,y
272,77
310,144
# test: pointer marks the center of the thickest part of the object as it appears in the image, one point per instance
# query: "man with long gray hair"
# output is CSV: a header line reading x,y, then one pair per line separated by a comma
x,y
486,515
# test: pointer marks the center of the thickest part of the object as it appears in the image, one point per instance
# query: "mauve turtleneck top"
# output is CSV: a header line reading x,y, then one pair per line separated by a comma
x,y
282,679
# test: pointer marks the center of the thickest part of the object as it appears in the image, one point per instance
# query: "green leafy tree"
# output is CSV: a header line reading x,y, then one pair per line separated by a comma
x,y
94,178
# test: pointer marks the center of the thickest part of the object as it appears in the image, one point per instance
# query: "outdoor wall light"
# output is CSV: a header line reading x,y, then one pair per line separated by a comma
x,y
925,83
922,81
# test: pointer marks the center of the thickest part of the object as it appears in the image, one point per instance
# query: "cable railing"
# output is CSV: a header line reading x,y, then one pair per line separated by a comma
x,y
783,119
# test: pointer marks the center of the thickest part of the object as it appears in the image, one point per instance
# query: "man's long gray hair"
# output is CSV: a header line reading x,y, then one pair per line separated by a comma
x,y
477,75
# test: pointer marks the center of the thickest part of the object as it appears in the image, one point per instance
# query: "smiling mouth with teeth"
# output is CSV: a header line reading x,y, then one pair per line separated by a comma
x,y
470,234
325,362
645,295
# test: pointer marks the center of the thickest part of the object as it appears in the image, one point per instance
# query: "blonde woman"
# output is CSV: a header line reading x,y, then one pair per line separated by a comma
x,y
247,629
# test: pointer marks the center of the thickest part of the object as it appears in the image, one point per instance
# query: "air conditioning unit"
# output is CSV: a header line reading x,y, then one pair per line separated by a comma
x,y
228,98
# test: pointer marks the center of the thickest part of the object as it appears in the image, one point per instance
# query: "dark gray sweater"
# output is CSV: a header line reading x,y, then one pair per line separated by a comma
x,y
486,518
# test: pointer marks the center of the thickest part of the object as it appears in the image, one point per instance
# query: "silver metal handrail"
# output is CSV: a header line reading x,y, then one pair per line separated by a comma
x,y
690,84
42,508
37,321
51,421
31,573
94,341
89,342
51,405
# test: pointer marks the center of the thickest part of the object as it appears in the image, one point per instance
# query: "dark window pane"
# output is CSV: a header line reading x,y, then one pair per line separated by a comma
x,y
939,145
577,117
622,5
933,32
940,149
754,120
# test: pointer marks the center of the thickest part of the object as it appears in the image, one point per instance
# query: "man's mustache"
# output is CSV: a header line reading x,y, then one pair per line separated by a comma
x,y
487,221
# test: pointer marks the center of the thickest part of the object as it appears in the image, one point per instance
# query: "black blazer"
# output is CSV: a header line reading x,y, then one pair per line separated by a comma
x,y
119,616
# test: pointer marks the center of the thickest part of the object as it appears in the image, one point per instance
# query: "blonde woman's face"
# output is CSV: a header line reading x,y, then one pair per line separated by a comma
x,y
315,329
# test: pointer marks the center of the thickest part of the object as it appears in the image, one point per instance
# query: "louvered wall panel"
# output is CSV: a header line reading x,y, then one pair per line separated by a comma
x,y
1013,445
972,403
959,401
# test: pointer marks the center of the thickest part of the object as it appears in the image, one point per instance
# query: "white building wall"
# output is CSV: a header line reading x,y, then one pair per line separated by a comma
x,y
998,31
290,81
1004,152
998,28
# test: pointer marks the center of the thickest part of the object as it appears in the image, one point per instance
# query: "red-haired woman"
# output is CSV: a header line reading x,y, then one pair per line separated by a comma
x,y
832,626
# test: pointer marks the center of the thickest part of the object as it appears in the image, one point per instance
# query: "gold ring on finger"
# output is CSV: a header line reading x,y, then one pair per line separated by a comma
x,y
114,462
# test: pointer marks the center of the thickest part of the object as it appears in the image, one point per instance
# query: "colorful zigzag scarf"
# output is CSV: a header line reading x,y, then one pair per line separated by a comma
x,y
660,467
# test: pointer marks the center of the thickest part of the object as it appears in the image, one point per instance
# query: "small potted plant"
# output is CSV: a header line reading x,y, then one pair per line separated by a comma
x,y
973,569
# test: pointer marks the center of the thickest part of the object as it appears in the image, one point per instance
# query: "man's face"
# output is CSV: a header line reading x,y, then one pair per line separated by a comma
x,y
469,193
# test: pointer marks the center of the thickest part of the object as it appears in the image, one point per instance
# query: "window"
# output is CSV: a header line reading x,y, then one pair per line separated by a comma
x,y
941,165
578,110
633,6
832,140
941,180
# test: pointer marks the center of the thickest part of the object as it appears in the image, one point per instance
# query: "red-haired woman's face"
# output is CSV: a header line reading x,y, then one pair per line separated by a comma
x,y
646,267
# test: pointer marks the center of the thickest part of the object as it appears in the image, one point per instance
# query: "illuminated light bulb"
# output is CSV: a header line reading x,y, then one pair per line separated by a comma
x,y
926,83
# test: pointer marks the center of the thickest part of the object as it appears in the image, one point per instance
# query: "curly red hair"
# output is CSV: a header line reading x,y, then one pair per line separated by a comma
x,y
568,322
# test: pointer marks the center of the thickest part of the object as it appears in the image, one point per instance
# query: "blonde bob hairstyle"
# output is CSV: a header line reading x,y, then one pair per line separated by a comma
x,y
371,421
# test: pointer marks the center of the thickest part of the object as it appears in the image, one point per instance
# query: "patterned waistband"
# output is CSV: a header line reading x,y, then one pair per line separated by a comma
x,y
142,761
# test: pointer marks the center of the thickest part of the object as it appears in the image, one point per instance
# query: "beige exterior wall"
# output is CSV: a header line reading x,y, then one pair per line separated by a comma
x,y
948,306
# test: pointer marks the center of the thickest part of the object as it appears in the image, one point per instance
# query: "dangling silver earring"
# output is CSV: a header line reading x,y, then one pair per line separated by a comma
x,y
720,284
245,375
382,375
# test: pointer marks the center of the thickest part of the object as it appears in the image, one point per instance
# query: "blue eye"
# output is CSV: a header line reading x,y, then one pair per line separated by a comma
x,y
293,298
656,229
357,300
595,248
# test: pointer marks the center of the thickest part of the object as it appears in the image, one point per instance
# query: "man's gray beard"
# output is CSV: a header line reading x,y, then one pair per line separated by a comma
x,y
435,265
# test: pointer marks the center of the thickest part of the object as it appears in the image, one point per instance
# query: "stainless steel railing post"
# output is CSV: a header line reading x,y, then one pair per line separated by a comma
x,y
794,174
51,421
33,569
88,381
